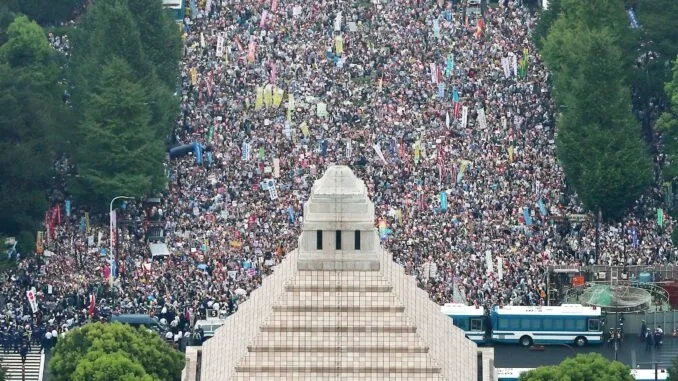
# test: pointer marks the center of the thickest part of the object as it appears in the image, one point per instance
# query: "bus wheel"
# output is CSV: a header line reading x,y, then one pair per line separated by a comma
x,y
580,341
526,341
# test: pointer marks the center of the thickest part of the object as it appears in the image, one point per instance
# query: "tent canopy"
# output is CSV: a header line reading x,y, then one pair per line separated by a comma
x,y
159,250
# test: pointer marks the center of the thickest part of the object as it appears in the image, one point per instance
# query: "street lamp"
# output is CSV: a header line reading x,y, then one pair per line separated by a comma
x,y
113,231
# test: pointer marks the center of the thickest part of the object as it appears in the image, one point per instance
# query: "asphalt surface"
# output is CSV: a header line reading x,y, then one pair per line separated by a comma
x,y
632,353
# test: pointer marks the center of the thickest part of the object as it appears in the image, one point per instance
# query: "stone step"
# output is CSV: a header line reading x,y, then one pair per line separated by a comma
x,y
12,362
338,288
351,298
342,362
331,316
327,349
338,329
334,339
340,277
310,376
344,308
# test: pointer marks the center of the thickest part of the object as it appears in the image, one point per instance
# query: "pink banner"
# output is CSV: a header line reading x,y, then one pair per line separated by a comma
x,y
251,51
264,16
274,73
274,5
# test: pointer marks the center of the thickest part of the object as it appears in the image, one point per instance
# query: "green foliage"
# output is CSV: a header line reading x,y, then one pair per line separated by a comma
x,y
658,20
46,12
113,352
31,109
128,108
668,126
546,20
119,151
599,142
584,367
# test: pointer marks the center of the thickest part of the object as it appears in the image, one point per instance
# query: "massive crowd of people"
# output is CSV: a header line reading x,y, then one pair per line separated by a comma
x,y
414,95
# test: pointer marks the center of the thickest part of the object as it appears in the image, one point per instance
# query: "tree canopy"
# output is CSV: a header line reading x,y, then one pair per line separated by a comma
x,y
127,109
584,367
47,12
667,125
32,111
114,352
599,141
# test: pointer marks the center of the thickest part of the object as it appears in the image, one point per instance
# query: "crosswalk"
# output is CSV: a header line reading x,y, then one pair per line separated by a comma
x,y
33,367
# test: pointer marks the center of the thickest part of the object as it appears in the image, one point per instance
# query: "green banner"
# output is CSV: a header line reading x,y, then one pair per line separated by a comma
x,y
660,218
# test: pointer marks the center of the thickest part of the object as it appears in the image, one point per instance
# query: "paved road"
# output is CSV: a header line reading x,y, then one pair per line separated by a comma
x,y
632,353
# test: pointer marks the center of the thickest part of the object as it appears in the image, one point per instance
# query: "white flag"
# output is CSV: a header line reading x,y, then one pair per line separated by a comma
x,y
220,46
337,22
30,294
464,116
500,267
488,262
379,153
482,120
447,119
349,149
515,65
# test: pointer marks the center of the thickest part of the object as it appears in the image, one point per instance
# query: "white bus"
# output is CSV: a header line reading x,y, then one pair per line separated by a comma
x,y
566,324
470,319
513,374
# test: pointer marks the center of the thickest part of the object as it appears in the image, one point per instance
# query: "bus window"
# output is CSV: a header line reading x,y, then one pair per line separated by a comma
x,y
525,324
558,325
569,325
548,324
536,325
514,324
461,323
594,325
580,325
477,324
503,325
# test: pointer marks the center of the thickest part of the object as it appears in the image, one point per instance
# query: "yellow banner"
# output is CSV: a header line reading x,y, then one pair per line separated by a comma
x,y
268,95
278,96
259,100
339,44
510,154
194,76
417,152
304,129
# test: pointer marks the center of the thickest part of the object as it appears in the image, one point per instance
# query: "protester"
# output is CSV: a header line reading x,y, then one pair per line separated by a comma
x,y
452,105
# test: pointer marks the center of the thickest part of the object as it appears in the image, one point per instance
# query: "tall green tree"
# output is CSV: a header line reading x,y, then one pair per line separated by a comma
x,y
667,125
119,151
584,367
546,20
599,141
31,108
47,12
113,352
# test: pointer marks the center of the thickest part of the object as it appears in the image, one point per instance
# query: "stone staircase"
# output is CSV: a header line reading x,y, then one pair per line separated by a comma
x,y
33,367
346,325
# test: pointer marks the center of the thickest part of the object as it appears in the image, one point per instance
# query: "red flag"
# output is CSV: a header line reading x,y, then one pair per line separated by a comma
x,y
58,213
457,108
92,303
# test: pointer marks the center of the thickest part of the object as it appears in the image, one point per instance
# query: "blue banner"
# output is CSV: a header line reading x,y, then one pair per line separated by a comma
x,y
441,90
526,215
291,217
197,151
443,201
323,148
542,208
455,95
67,205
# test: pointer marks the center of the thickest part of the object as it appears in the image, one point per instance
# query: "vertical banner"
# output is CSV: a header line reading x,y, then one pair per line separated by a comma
x,y
251,51
379,153
349,149
660,217
113,229
264,16
273,191
514,63
39,238
245,151
268,95
274,6
339,44
88,227
464,116
434,72
443,201
67,205
220,46
488,262
482,120
32,301
278,96
276,168
500,268
337,22
194,76
259,98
